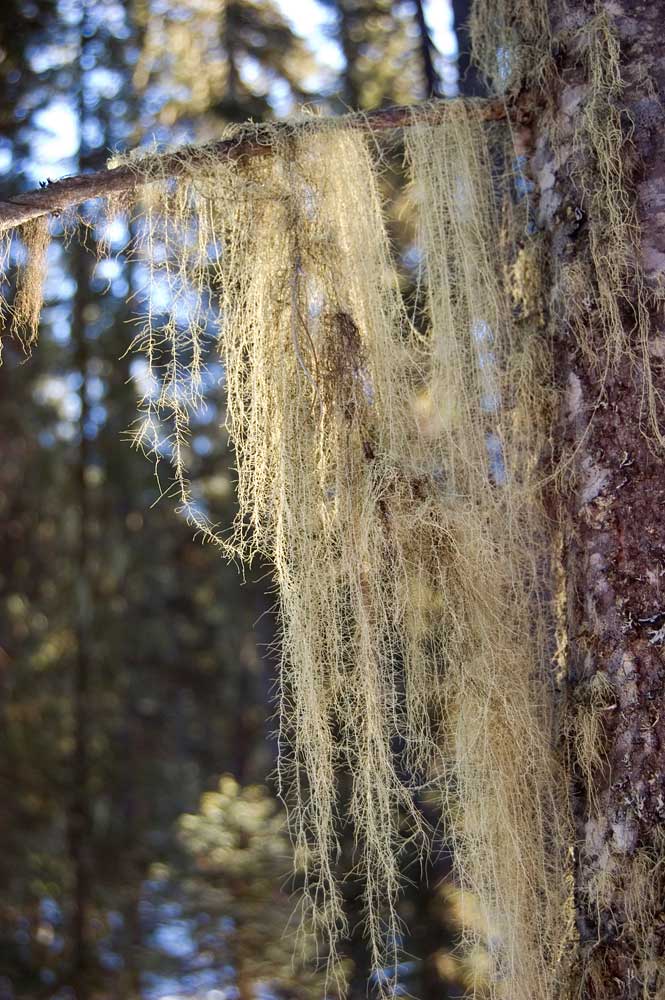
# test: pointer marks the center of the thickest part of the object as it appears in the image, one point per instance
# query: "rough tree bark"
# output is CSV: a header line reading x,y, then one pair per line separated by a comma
x,y
613,516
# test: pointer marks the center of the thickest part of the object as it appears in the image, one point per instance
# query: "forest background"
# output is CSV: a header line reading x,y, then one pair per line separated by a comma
x,y
142,851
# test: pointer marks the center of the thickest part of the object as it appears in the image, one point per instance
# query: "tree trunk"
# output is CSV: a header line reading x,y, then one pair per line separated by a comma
x,y
612,505
427,50
80,818
469,80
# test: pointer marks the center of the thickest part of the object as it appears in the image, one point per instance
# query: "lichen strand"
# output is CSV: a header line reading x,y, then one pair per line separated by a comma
x,y
491,382
511,43
388,467
28,245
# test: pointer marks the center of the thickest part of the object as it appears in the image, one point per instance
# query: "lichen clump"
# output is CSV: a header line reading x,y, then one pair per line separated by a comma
x,y
388,468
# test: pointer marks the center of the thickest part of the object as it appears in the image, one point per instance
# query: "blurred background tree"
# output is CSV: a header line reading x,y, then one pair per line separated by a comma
x,y
135,666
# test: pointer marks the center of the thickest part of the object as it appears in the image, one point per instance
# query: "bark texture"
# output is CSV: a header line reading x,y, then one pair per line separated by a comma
x,y
613,512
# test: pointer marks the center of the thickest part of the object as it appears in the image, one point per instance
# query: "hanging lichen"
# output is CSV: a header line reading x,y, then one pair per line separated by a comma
x,y
27,246
388,469
391,477
488,379
614,279
511,43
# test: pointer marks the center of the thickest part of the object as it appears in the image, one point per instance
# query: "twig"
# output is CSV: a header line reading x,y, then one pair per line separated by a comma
x,y
57,196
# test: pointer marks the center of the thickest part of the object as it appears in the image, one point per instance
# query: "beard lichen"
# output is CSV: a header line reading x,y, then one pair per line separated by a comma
x,y
387,468
26,246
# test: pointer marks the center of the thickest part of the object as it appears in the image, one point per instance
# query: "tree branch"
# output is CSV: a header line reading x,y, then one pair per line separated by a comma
x,y
256,140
